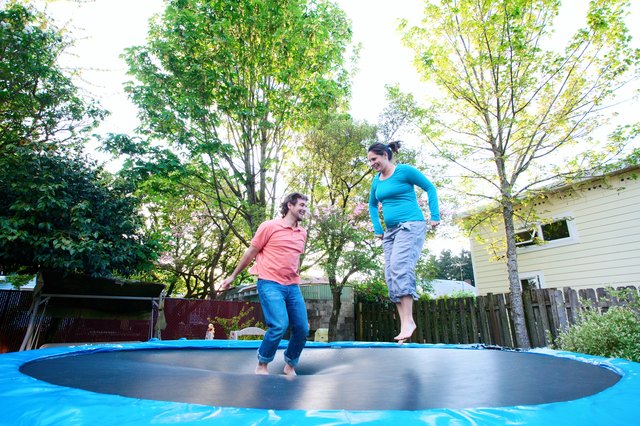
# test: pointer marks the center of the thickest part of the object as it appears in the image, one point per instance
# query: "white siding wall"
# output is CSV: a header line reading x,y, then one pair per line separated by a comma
x,y
606,251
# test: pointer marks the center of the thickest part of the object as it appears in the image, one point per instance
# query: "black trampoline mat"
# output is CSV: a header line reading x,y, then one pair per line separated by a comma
x,y
376,378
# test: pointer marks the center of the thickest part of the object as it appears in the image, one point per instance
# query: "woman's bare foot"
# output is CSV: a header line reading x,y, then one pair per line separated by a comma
x,y
289,370
262,369
406,332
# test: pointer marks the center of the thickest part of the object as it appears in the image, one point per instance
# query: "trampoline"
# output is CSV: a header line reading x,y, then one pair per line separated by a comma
x,y
339,383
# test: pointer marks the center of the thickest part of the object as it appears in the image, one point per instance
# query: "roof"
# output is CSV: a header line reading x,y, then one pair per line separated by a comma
x,y
555,188
447,287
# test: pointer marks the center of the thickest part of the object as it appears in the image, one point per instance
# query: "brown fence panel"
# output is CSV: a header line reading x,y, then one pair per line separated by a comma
x,y
488,319
185,319
189,318
14,318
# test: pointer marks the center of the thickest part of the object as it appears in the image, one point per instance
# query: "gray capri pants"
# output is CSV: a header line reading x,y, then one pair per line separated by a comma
x,y
402,246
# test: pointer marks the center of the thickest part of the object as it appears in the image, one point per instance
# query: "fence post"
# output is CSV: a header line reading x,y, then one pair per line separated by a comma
x,y
485,334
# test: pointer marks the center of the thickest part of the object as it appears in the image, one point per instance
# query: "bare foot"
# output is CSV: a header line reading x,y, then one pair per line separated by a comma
x,y
289,370
262,369
406,332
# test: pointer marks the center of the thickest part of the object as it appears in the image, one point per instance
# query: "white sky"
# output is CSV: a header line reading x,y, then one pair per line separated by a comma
x,y
104,28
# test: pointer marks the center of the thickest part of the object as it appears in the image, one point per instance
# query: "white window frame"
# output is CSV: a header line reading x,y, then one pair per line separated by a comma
x,y
537,227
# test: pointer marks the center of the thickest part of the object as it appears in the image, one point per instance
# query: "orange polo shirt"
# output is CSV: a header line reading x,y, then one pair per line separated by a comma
x,y
280,247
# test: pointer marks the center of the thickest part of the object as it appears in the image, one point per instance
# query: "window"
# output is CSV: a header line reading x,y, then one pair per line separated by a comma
x,y
561,230
531,280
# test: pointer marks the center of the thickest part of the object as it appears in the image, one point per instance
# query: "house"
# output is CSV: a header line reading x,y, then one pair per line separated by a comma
x,y
584,235
451,287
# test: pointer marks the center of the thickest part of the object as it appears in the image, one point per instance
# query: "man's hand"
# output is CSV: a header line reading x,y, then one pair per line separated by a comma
x,y
227,283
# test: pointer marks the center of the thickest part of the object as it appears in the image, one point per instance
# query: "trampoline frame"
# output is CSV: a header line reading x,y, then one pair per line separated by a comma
x,y
25,400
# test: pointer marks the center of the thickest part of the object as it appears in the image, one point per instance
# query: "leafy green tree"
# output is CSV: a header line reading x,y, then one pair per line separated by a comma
x,y
57,210
512,110
61,213
200,243
183,210
226,83
40,108
453,267
336,175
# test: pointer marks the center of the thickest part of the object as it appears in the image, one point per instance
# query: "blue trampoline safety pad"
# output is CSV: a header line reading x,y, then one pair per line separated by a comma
x,y
460,385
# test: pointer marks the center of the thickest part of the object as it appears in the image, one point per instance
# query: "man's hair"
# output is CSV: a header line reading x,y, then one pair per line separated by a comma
x,y
293,199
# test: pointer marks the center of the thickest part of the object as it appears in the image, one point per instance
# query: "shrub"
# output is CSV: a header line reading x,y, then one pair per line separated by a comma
x,y
613,334
238,322
372,290
459,294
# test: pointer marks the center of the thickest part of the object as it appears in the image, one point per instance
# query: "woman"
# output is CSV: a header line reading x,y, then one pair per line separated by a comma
x,y
394,187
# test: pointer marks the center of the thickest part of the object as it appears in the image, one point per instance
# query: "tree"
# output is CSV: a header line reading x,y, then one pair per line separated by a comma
x,y
336,176
61,213
57,210
200,243
453,267
513,112
40,109
226,82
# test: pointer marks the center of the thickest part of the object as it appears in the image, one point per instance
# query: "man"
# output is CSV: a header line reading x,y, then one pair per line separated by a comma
x,y
277,246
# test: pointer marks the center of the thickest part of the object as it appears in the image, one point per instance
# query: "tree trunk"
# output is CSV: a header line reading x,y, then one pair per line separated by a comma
x,y
336,292
517,308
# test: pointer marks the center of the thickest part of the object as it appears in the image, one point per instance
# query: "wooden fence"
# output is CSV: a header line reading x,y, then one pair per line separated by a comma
x,y
485,319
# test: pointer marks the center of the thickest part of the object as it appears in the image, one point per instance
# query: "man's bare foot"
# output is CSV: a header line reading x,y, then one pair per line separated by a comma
x,y
262,369
289,370
405,333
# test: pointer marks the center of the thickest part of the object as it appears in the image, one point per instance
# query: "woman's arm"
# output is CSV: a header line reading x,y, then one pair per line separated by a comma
x,y
417,178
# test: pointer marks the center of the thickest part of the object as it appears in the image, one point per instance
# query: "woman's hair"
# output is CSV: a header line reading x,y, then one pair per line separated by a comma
x,y
379,148
293,199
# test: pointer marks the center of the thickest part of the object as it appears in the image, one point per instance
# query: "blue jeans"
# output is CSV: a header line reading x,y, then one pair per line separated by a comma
x,y
402,246
282,307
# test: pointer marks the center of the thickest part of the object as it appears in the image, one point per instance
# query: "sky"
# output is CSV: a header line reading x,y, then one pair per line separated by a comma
x,y
104,28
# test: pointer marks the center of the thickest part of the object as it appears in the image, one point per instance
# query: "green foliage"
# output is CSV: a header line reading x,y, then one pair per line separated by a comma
x,y
458,294
614,333
515,111
40,108
17,280
57,209
237,322
226,82
68,216
372,290
340,239
425,296
452,267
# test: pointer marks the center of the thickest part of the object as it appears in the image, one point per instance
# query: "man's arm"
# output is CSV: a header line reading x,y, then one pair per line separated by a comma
x,y
245,260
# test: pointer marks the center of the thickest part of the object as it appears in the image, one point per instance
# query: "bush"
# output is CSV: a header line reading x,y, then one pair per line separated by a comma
x,y
459,294
373,290
238,322
613,334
